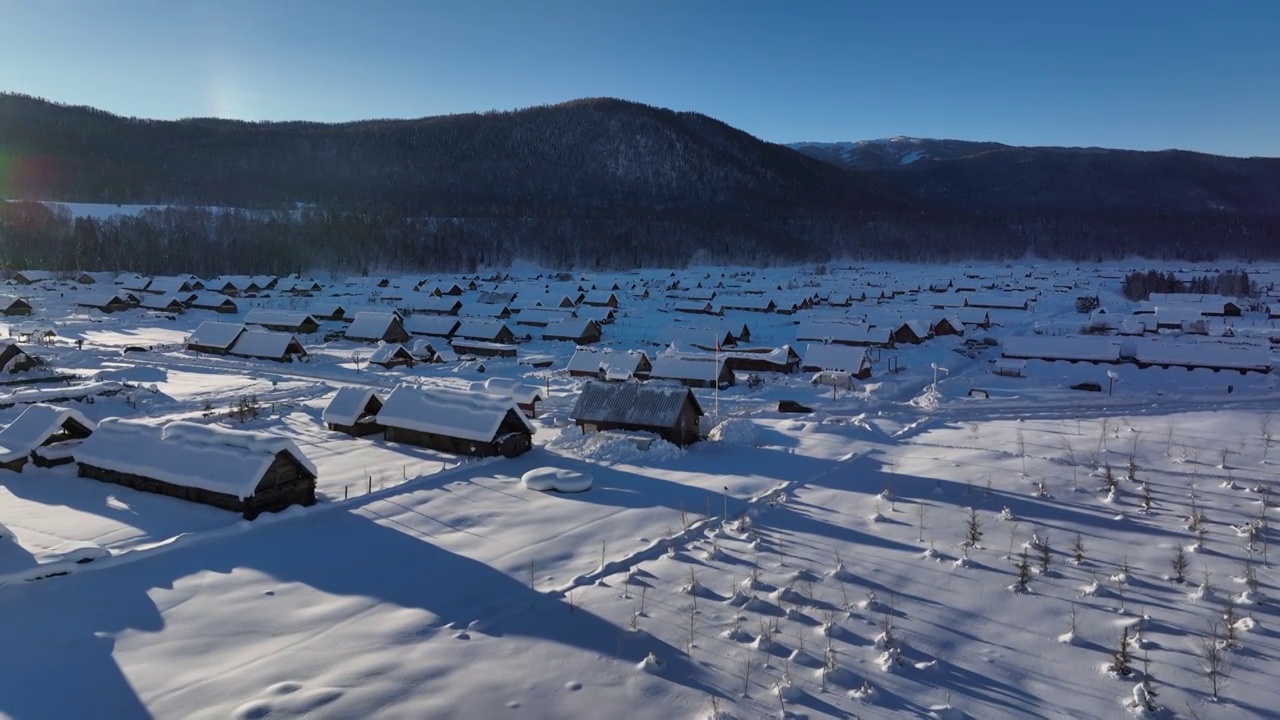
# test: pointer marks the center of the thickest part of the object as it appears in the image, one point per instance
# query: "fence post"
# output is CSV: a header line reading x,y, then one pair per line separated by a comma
x,y
370,484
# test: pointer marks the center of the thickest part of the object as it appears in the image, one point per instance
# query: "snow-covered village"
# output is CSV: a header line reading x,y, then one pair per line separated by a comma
x,y
875,490
580,360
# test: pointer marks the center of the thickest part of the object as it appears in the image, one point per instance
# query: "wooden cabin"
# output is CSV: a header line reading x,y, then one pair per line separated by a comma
x,y
14,359
385,327
780,360
696,371
15,307
837,358
282,320
42,426
670,412
353,411
607,364
246,472
214,338
525,396
107,303
578,330
455,421
392,355
213,301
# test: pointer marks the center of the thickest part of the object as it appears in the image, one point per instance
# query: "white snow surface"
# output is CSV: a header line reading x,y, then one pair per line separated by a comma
x,y
428,585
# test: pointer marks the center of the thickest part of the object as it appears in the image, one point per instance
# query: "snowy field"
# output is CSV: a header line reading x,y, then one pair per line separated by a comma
x,y
948,543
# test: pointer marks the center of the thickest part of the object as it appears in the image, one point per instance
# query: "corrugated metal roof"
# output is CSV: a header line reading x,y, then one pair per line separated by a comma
x,y
631,404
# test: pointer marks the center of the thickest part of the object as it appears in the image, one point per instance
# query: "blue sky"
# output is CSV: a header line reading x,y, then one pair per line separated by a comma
x,y
1124,73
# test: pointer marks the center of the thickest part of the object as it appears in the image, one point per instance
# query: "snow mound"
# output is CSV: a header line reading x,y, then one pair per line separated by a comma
x,y
557,479
614,448
735,431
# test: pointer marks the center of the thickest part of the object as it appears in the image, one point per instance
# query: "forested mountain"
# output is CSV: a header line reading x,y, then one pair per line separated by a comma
x,y
591,183
997,177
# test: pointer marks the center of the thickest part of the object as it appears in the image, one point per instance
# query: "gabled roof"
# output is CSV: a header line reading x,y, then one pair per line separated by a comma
x,y
283,318
34,426
188,454
631,403
371,325
593,360
347,405
687,367
266,344
480,329
434,325
452,413
843,358
569,328
388,352
216,334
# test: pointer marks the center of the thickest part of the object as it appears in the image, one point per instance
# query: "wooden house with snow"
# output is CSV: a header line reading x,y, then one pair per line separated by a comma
x,y
13,359
44,435
31,277
385,327
669,412
103,302
290,321
838,358
214,338
353,411
600,298
582,331
748,303
327,310
456,421
696,371
216,302
489,331
609,364
14,307
443,326
163,303
392,355
245,472
779,360
267,345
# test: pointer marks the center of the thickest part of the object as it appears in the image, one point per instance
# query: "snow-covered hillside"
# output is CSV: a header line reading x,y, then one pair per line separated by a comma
x,y
961,535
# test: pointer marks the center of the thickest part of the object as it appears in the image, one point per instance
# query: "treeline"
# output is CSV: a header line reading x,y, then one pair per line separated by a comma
x,y
591,184
1139,285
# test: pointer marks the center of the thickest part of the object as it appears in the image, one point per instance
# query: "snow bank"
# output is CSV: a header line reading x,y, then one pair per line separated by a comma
x,y
612,447
736,431
558,479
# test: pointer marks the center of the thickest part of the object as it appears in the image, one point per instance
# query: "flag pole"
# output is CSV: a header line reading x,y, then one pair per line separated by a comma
x,y
716,379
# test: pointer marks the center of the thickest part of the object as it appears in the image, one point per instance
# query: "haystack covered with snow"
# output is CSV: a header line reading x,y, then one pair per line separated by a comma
x,y
557,479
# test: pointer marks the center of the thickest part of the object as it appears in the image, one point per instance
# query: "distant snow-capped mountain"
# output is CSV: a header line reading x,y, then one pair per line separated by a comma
x,y
894,151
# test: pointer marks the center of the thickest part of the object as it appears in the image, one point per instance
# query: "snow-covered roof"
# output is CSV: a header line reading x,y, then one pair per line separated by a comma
x,y
188,454
479,329
211,299
1235,355
522,393
215,334
434,325
168,286
98,299
592,360
426,302
599,313
283,318
843,332
1068,347
569,328
370,325
631,403
543,316
34,426
347,405
453,413
388,352
843,358
160,302
264,344
687,367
